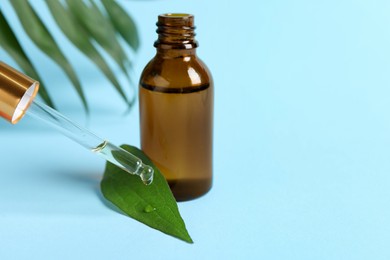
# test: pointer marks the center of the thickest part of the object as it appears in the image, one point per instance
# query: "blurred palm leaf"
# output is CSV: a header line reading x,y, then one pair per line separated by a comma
x,y
11,45
85,24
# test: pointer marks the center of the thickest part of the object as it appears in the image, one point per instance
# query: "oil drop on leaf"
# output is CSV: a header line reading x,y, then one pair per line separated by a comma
x,y
153,205
149,209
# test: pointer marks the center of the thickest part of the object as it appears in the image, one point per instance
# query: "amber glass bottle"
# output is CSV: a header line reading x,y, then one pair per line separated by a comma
x,y
176,109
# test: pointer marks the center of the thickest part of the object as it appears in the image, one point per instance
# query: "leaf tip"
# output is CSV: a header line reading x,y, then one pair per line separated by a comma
x,y
189,240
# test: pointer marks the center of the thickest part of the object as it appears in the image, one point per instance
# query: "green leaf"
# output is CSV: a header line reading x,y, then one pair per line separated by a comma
x,y
153,205
123,23
79,37
11,45
100,29
42,38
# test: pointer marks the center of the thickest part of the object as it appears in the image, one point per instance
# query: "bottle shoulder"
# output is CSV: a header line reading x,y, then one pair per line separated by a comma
x,y
177,72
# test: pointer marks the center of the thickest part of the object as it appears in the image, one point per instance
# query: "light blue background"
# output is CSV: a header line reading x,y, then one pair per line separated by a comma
x,y
301,142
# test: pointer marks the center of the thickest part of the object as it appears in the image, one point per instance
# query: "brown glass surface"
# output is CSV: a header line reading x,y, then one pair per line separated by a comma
x,y
176,116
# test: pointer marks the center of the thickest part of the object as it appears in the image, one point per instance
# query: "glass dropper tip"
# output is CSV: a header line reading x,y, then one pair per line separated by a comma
x,y
147,174
125,160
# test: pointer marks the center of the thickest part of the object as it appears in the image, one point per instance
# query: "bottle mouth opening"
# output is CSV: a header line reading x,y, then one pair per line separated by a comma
x,y
176,19
176,15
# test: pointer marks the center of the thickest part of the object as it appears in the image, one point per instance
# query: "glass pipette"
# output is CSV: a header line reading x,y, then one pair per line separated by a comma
x,y
104,148
17,93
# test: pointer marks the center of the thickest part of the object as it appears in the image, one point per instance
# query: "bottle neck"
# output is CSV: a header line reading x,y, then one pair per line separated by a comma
x,y
175,32
175,53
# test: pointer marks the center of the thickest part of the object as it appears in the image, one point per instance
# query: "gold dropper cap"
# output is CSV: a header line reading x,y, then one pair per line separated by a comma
x,y
17,91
